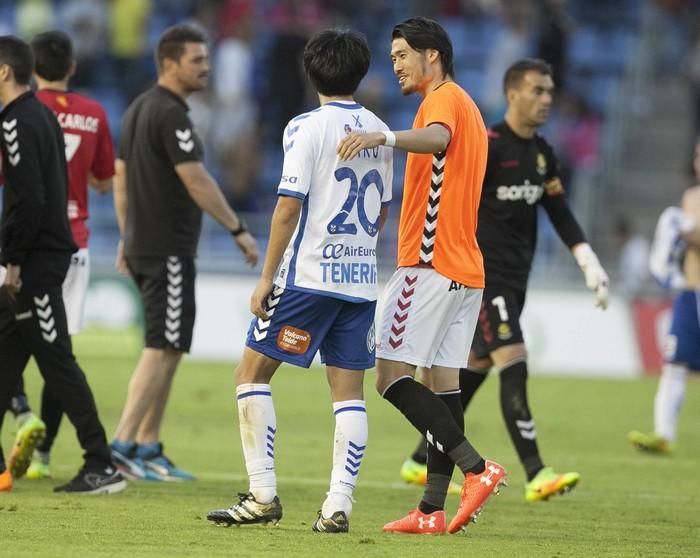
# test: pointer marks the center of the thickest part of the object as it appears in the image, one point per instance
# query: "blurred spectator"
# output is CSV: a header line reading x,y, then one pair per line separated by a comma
x,y
670,20
32,17
511,43
553,36
633,266
575,130
294,22
235,133
692,72
205,15
129,44
86,22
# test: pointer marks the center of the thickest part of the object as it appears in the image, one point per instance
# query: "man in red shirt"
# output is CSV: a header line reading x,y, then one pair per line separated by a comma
x,y
90,157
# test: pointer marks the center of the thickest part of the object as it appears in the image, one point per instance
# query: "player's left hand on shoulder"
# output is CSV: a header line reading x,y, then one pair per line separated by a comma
x,y
355,142
259,296
248,245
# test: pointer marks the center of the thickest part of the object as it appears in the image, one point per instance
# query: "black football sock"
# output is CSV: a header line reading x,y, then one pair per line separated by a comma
x,y
426,412
518,418
432,418
435,493
470,380
440,466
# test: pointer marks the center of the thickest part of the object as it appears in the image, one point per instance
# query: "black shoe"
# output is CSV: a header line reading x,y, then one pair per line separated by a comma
x,y
336,523
95,481
247,511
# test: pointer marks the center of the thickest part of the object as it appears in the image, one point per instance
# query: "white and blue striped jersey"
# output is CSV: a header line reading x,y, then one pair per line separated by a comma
x,y
333,250
666,256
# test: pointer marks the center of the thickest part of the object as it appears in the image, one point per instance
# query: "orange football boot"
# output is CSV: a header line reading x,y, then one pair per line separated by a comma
x,y
419,523
476,490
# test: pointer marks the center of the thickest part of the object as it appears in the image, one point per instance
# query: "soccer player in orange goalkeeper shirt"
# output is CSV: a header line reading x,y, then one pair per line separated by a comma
x,y
432,301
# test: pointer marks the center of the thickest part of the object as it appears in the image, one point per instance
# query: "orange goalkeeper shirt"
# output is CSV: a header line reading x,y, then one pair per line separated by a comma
x,y
442,191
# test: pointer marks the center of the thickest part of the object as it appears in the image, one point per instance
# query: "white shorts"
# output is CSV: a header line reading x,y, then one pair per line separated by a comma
x,y
75,287
427,319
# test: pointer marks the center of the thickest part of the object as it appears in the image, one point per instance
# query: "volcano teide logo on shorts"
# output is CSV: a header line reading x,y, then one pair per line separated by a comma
x,y
293,339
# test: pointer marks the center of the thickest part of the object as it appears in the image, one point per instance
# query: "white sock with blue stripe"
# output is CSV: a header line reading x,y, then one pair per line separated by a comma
x,y
348,451
258,425
670,394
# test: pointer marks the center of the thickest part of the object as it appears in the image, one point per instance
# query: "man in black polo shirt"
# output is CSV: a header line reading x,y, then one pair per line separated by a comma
x,y
161,188
522,173
35,248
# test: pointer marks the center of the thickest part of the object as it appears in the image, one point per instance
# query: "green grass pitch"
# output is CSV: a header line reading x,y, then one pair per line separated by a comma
x,y
627,504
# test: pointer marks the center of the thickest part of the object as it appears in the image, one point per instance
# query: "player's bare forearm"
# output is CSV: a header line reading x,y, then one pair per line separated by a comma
x,y
284,222
432,139
120,196
102,186
205,192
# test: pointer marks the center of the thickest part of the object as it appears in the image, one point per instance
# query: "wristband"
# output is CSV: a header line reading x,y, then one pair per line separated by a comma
x,y
240,230
389,138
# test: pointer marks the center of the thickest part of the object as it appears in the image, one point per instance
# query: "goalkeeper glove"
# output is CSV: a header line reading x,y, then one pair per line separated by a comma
x,y
596,278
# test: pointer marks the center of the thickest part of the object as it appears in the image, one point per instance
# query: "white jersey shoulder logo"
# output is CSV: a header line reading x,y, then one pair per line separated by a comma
x,y
184,140
11,141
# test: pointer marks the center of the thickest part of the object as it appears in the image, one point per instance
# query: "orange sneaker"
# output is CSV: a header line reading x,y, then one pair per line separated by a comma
x,y
476,490
5,481
419,523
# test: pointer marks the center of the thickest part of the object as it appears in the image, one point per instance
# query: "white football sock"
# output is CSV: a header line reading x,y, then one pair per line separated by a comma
x,y
669,400
348,451
258,425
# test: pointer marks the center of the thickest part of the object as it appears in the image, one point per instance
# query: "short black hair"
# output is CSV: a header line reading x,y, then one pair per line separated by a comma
x,y
53,55
17,55
171,44
421,34
336,61
515,73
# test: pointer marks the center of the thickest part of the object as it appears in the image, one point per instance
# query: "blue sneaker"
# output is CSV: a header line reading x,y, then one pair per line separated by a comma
x,y
124,456
155,462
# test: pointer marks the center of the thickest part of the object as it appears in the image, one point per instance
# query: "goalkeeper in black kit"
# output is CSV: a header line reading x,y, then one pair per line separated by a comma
x,y
521,174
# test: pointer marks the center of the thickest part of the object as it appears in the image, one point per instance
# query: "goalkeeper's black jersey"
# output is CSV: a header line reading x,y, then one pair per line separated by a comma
x,y
521,173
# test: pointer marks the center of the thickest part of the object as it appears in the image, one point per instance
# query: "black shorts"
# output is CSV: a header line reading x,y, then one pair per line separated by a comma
x,y
499,320
167,290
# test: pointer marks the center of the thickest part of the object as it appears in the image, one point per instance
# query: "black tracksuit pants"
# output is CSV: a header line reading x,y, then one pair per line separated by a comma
x,y
34,324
